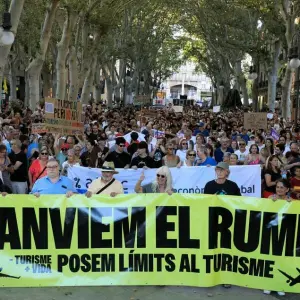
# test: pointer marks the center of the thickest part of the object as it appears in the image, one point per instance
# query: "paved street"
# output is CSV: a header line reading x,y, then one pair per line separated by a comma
x,y
135,293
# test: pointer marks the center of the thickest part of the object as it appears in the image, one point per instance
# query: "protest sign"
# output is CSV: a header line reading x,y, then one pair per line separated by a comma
x,y
217,109
37,128
255,121
185,180
157,239
177,108
63,116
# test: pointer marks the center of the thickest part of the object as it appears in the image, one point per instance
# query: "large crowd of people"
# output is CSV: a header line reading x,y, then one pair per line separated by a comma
x,y
131,137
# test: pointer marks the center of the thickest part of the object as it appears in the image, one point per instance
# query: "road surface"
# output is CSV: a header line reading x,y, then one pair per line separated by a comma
x,y
137,293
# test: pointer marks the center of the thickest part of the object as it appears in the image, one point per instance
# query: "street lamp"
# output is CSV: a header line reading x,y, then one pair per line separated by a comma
x,y
7,37
252,73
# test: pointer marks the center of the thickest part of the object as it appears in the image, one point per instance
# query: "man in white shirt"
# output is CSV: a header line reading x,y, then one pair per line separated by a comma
x,y
242,152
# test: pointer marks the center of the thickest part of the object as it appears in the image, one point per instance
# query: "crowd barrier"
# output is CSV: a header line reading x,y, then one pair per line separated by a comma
x,y
185,180
183,239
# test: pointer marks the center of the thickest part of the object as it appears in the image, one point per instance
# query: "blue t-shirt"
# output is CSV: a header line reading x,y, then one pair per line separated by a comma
x,y
209,161
219,154
44,186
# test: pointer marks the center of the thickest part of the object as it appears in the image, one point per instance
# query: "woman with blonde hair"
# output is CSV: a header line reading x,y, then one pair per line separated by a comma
x,y
161,184
190,160
170,159
70,162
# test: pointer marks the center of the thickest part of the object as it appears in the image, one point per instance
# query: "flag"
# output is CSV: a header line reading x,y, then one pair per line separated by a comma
x,y
274,134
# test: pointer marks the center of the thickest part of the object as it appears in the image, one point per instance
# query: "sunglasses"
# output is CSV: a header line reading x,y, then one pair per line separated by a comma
x,y
162,176
44,153
122,146
192,154
184,144
64,149
242,144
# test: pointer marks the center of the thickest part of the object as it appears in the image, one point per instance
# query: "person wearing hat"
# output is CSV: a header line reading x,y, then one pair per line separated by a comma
x,y
106,184
222,185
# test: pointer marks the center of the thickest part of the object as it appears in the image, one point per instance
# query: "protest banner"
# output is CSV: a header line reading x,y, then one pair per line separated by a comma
x,y
37,128
185,180
63,116
177,108
157,239
255,121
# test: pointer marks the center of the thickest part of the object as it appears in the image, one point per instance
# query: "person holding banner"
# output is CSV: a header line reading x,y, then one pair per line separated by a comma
x,y
106,184
53,183
282,188
162,183
221,185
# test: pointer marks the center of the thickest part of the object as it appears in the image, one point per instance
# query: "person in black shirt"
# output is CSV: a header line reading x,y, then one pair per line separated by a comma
x,y
18,170
119,157
222,186
142,160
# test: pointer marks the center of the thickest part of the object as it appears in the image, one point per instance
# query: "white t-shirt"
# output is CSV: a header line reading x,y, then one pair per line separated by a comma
x,y
181,154
241,156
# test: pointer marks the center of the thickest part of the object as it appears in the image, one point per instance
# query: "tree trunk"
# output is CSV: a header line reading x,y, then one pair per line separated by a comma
x,y
272,81
73,74
16,8
242,82
13,81
46,82
35,67
88,83
286,93
97,88
26,89
62,52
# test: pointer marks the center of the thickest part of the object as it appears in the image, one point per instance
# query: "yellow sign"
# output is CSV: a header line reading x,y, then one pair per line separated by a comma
x,y
63,116
192,240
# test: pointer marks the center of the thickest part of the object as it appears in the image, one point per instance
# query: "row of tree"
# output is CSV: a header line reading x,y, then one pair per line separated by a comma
x,y
68,47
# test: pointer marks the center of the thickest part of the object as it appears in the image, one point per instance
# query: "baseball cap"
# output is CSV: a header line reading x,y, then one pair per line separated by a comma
x,y
223,165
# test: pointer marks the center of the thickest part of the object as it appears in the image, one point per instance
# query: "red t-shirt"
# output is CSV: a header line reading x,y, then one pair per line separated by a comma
x,y
295,182
36,169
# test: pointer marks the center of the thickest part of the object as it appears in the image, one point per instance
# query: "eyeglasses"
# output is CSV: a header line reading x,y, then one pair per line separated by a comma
x,y
121,145
192,154
162,176
44,153
64,149
52,167
184,144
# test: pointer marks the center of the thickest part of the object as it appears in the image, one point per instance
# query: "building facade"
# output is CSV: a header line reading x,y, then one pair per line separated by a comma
x,y
196,86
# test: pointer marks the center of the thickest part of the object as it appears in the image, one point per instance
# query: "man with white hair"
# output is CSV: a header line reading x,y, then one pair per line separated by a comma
x,y
106,184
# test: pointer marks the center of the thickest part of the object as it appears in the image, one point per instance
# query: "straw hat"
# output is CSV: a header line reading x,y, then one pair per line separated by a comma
x,y
109,166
